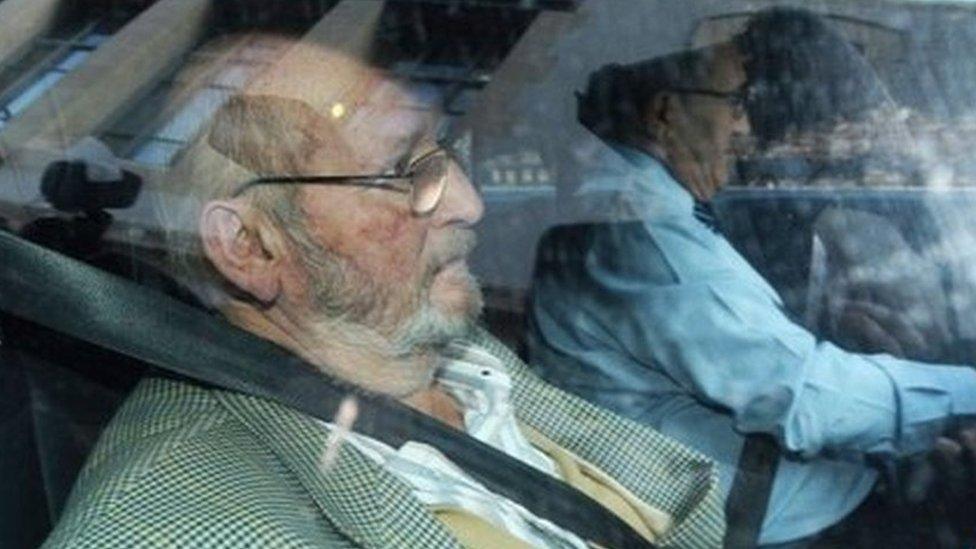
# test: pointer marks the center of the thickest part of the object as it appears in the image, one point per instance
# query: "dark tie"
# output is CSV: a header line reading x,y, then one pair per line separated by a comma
x,y
706,215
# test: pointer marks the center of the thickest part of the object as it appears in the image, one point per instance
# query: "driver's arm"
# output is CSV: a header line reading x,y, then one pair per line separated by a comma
x,y
724,339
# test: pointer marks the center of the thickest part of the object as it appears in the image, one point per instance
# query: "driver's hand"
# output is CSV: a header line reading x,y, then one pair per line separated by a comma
x,y
880,294
876,328
954,482
954,460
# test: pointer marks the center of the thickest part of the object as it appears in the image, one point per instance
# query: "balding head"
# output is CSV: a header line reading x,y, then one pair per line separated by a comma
x,y
304,264
314,111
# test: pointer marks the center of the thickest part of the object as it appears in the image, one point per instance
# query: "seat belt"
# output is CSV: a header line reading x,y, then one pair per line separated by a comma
x,y
745,508
71,297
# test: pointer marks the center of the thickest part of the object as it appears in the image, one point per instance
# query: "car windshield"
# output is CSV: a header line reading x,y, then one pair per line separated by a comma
x,y
489,273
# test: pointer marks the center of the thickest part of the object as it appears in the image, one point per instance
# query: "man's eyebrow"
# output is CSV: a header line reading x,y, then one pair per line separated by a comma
x,y
409,144
401,162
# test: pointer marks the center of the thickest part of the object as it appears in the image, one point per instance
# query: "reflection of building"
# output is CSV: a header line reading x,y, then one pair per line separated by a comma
x,y
915,53
522,169
144,76
895,148
47,62
156,128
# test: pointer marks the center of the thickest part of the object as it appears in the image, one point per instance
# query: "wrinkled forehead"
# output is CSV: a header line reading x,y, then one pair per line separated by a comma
x,y
392,123
362,118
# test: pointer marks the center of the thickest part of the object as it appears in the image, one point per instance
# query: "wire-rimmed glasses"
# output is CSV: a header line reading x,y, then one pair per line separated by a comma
x,y
424,180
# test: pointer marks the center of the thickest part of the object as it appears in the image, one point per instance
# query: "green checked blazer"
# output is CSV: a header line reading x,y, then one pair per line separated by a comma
x,y
183,466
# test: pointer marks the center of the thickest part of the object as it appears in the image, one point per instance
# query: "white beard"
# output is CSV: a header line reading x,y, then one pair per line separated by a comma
x,y
350,299
428,327
399,364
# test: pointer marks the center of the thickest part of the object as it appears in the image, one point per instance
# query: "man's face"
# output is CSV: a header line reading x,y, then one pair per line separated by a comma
x,y
713,129
367,256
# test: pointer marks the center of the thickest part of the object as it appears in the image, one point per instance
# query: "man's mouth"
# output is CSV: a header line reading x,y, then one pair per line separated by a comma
x,y
453,266
456,256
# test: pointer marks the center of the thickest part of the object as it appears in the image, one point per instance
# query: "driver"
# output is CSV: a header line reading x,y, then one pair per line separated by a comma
x,y
663,321
359,267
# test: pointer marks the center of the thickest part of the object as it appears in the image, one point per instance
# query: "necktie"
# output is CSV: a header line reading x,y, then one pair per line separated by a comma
x,y
704,213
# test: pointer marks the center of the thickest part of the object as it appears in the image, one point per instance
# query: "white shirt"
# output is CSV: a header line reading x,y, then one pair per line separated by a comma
x,y
478,381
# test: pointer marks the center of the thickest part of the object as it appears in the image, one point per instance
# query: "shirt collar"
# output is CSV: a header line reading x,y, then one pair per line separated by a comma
x,y
635,173
477,379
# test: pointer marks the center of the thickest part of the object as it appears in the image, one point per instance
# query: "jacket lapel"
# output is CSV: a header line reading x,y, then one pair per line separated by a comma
x,y
658,470
370,506
374,509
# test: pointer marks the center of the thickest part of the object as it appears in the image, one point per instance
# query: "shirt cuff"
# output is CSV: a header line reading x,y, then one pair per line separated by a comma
x,y
928,397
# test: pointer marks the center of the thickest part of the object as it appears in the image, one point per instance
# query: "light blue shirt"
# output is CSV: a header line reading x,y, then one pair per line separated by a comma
x,y
664,322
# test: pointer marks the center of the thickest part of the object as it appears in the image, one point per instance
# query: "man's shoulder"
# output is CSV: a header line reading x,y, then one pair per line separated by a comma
x,y
152,424
596,254
175,467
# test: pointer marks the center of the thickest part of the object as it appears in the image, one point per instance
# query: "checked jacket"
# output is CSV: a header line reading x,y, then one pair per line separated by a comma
x,y
185,466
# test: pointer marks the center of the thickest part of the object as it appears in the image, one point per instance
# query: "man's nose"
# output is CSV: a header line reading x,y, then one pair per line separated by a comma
x,y
742,125
461,203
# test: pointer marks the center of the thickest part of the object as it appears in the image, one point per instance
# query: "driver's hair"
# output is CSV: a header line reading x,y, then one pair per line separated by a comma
x,y
616,97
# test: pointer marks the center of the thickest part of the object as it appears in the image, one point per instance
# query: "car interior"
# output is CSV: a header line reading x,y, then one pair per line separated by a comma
x,y
504,72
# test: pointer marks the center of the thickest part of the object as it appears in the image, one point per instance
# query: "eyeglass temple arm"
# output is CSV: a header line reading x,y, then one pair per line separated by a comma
x,y
383,181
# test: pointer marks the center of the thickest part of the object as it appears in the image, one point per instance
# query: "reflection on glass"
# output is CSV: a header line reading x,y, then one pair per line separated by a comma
x,y
671,235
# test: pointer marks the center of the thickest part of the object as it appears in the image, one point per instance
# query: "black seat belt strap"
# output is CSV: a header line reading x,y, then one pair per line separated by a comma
x,y
76,299
745,508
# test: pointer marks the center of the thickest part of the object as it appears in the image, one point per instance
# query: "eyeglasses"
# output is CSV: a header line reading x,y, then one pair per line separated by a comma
x,y
735,98
425,180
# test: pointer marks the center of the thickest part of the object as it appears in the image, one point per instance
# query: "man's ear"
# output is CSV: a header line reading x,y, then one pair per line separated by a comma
x,y
660,114
243,247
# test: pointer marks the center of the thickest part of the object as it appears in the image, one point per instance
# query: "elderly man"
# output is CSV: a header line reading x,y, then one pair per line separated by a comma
x,y
669,325
333,224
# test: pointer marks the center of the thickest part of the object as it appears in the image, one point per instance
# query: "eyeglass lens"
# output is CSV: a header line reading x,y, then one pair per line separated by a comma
x,y
741,103
738,107
429,181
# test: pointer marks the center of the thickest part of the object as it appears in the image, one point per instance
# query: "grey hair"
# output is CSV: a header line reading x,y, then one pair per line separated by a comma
x,y
245,139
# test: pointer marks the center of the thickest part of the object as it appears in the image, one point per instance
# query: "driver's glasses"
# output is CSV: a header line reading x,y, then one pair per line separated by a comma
x,y
424,180
736,99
